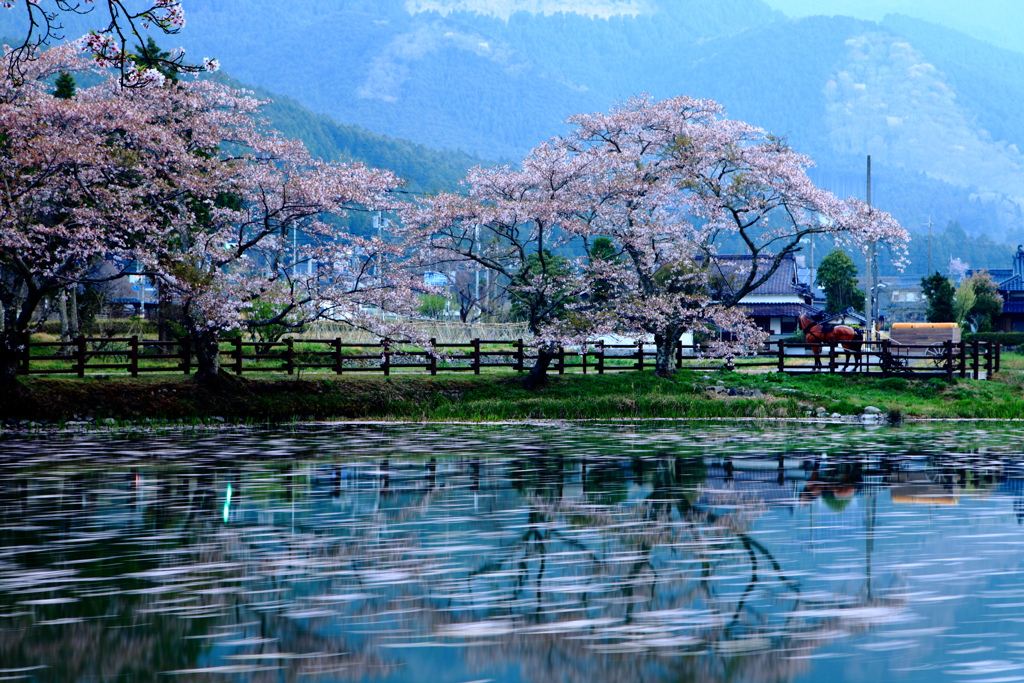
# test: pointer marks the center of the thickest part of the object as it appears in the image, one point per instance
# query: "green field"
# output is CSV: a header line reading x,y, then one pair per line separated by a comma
x,y
275,397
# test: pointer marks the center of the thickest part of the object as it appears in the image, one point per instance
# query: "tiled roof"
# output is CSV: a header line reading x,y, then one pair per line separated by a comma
x,y
1013,307
735,268
1012,284
774,310
846,314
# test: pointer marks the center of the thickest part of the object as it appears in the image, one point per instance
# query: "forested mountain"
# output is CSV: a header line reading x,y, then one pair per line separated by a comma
x,y
936,109
423,169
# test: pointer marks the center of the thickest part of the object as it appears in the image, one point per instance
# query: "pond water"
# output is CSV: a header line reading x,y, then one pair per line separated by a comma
x,y
649,552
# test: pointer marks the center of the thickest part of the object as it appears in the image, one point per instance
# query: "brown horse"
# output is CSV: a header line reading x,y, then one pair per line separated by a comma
x,y
817,334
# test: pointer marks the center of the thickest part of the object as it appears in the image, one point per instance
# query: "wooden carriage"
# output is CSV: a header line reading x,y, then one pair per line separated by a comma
x,y
930,335
925,333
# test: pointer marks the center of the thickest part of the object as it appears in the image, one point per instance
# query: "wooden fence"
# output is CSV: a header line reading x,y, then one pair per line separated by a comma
x,y
134,356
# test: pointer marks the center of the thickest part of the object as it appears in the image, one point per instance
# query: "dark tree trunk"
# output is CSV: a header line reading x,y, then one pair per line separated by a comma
x,y
206,345
12,350
62,310
664,351
537,377
73,327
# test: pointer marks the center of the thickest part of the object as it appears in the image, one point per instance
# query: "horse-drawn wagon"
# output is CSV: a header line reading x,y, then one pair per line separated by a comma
x,y
931,336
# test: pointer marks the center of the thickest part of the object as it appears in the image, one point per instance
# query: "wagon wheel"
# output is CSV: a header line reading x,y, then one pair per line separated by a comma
x,y
937,354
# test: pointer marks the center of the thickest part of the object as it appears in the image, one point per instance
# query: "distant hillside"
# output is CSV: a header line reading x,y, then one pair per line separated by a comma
x,y
458,80
424,169
937,110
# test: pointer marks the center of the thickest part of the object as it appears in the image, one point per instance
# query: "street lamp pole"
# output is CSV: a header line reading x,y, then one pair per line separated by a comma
x,y
872,271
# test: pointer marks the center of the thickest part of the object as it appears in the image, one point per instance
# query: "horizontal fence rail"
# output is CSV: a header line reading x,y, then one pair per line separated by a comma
x,y
133,356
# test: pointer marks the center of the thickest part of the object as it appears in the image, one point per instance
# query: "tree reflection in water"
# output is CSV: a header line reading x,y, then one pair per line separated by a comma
x,y
587,567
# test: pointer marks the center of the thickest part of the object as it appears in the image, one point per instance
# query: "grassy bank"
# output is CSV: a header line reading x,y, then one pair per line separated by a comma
x,y
499,397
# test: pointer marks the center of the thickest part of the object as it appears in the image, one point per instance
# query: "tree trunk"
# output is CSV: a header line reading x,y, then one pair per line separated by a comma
x,y
62,310
206,345
73,327
12,349
537,377
65,336
664,351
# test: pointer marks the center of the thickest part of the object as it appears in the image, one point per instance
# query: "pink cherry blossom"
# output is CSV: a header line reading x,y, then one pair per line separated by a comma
x,y
121,23
668,183
183,181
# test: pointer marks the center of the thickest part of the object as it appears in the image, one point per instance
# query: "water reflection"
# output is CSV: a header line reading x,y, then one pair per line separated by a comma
x,y
512,553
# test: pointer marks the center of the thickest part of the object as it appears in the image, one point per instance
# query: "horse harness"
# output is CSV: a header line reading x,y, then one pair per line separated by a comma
x,y
818,333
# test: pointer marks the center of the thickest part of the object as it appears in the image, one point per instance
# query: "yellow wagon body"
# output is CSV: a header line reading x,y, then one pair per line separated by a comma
x,y
924,333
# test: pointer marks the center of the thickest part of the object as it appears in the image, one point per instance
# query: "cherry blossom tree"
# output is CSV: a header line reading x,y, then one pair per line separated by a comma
x,y
269,249
183,182
257,238
120,22
674,185
510,224
83,179
678,187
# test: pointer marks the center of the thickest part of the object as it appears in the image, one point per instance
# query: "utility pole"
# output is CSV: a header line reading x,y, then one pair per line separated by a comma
x,y
814,271
872,271
929,272
476,275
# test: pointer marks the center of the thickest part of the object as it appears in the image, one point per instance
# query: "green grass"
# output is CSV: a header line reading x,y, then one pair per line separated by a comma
x,y
499,396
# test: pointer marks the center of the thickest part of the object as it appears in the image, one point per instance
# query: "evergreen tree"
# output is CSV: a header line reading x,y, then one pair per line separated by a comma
x,y
602,252
987,302
150,56
64,86
940,294
837,275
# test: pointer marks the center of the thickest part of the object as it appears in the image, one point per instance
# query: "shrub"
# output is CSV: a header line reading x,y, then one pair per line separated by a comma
x,y
1004,338
933,387
844,408
893,384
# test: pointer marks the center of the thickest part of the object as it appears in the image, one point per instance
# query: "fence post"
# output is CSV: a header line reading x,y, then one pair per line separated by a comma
x,y
476,356
433,358
289,356
832,357
338,361
186,355
782,355
561,359
988,360
237,342
963,359
586,353
883,355
79,354
679,353
976,370
640,355
386,360
520,355
133,355
948,353
600,357
998,355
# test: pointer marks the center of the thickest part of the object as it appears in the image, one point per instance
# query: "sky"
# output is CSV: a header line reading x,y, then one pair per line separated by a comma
x,y
1000,22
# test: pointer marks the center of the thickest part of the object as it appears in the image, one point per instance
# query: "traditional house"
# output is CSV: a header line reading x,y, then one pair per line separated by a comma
x,y
1011,287
848,317
776,304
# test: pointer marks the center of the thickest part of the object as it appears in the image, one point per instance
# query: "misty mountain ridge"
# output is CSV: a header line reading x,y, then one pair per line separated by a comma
x,y
934,107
